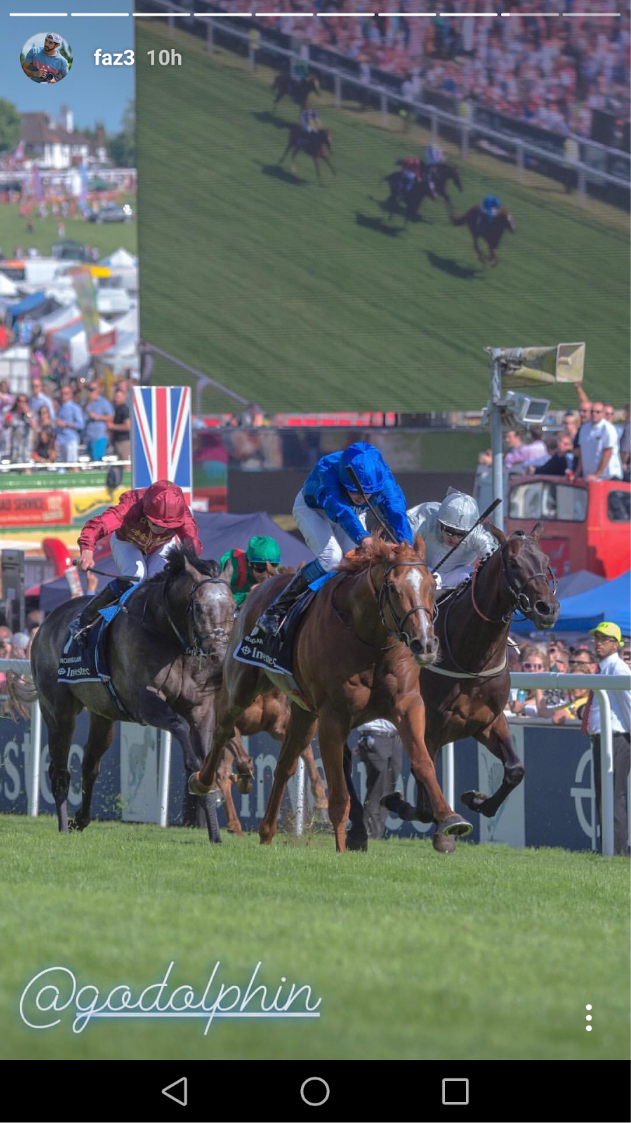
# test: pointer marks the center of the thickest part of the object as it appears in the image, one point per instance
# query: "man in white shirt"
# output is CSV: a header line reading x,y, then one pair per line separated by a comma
x,y
380,749
598,448
607,642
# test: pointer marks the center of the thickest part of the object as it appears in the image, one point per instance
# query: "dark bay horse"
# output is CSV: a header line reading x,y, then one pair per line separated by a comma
x,y
165,654
410,197
466,690
440,176
299,89
357,656
315,144
489,230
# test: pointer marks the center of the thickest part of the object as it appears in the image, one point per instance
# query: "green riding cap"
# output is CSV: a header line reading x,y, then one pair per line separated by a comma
x,y
263,549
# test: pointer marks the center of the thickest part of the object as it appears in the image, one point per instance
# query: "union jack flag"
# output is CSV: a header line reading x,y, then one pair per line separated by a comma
x,y
161,428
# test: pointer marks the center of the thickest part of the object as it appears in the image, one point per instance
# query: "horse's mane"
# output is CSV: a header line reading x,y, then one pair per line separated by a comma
x,y
176,564
377,551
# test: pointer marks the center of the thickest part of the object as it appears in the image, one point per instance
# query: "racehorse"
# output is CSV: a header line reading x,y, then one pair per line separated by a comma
x,y
411,197
466,690
269,713
442,174
164,651
313,144
297,88
357,655
490,229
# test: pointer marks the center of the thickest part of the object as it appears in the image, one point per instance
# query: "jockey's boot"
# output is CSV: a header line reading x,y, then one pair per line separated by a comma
x,y
271,620
109,595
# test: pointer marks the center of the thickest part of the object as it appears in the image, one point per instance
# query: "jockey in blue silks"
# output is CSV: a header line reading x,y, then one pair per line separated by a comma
x,y
491,206
331,516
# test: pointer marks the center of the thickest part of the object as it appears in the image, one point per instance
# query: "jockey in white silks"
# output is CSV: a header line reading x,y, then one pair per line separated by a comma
x,y
443,525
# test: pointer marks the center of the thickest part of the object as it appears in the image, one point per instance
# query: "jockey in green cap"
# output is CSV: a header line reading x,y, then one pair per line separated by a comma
x,y
244,569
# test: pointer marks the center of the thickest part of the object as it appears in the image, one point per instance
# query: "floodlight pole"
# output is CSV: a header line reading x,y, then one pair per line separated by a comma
x,y
495,412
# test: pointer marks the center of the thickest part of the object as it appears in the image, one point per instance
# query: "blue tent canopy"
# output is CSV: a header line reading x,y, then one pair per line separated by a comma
x,y
28,304
581,613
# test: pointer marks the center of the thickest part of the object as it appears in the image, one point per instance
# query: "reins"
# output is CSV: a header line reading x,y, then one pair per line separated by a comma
x,y
384,601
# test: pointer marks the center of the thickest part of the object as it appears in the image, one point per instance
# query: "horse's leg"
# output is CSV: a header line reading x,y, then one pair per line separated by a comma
x,y
233,826
285,152
332,735
328,163
300,729
411,723
357,837
481,256
493,258
497,739
100,738
315,779
241,685
60,725
315,163
191,734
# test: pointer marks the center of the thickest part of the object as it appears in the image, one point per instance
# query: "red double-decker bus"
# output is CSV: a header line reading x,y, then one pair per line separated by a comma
x,y
586,524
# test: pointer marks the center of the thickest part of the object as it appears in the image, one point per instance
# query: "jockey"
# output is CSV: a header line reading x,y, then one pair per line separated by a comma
x,y
433,155
143,525
411,172
244,569
491,206
331,517
442,525
310,120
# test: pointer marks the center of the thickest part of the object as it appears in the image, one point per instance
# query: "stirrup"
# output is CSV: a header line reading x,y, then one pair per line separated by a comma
x,y
273,622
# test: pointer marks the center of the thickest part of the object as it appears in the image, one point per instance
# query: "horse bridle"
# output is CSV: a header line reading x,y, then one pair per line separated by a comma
x,y
384,601
521,602
194,646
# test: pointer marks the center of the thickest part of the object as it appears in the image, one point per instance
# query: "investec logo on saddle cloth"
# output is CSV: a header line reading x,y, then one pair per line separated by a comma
x,y
263,650
72,667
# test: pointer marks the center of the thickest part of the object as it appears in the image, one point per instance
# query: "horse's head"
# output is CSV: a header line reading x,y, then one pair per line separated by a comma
x,y
405,591
508,220
526,570
205,606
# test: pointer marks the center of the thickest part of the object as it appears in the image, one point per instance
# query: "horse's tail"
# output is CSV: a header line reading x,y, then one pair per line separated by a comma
x,y
22,693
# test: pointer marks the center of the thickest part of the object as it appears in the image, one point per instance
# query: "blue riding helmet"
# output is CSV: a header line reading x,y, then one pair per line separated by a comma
x,y
491,205
366,463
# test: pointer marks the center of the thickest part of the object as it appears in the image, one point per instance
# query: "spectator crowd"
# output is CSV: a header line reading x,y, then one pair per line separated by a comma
x,y
550,72
60,416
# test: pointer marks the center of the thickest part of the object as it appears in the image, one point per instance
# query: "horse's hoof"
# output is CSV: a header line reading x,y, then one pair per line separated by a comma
x,y
357,842
392,801
443,843
455,824
473,800
75,825
195,787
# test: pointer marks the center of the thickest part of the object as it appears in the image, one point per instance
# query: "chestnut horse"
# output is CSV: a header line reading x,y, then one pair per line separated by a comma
x,y
314,144
466,690
357,656
489,229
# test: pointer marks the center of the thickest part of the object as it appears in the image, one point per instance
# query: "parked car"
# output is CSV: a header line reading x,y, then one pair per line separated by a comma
x,y
586,525
112,213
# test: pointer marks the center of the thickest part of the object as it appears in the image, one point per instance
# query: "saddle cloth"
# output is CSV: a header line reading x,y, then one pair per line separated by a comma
x,y
275,653
89,663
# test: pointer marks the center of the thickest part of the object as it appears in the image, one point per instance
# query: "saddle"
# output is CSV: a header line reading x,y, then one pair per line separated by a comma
x,y
275,652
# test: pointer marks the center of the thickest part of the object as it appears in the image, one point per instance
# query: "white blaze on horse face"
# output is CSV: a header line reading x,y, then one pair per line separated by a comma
x,y
415,579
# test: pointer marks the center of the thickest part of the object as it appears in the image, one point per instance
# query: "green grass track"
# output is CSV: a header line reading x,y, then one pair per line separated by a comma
x,y
490,953
306,297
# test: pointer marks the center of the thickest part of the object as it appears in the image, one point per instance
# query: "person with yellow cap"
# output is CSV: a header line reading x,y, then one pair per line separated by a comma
x,y
607,642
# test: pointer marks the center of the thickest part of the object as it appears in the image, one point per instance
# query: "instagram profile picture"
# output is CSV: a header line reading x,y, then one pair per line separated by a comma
x,y
46,58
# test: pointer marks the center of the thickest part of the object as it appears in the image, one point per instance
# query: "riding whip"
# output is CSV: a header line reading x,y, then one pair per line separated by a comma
x,y
483,516
358,487
102,573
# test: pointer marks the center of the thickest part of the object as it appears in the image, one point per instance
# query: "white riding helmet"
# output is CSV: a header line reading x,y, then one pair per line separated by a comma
x,y
458,510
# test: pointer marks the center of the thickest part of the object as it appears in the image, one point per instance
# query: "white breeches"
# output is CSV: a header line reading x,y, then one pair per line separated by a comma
x,y
326,539
453,577
133,563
